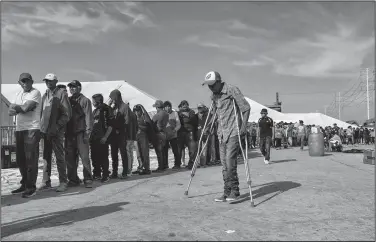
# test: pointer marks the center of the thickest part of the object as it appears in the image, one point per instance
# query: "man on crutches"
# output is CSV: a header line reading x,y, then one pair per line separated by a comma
x,y
232,123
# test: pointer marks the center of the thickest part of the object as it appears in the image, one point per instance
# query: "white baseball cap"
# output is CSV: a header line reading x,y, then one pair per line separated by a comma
x,y
211,77
50,77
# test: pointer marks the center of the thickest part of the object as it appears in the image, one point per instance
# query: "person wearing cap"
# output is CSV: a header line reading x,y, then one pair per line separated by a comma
x,y
266,134
181,148
26,107
188,131
118,136
172,129
202,115
160,120
56,111
77,136
102,128
230,127
63,87
302,132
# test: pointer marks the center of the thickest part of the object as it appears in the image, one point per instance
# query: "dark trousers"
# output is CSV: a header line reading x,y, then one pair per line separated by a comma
x,y
55,144
253,141
187,139
278,142
173,143
74,145
265,144
99,159
214,148
229,154
119,143
27,143
301,141
206,154
158,147
143,147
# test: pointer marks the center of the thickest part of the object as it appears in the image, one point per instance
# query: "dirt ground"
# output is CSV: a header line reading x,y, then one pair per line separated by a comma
x,y
297,197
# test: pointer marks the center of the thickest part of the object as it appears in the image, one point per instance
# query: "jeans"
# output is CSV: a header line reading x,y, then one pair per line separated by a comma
x,y
99,159
253,141
72,146
55,144
138,154
229,154
130,147
187,139
301,141
214,148
265,144
143,146
119,143
27,143
158,147
175,150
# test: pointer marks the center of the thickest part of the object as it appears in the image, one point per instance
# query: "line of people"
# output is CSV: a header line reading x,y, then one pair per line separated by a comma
x,y
71,130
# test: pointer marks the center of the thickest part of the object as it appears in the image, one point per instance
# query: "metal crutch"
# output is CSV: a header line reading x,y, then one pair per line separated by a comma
x,y
198,148
245,156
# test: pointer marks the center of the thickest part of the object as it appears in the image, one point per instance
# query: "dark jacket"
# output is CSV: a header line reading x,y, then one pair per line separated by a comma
x,y
56,114
201,124
82,116
103,118
189,123
121,119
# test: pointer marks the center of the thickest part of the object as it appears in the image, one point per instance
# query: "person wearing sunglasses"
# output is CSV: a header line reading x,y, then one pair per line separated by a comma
x,y
26,108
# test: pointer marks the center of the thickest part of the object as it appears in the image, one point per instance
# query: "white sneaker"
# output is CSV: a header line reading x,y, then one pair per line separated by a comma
x,y
266,161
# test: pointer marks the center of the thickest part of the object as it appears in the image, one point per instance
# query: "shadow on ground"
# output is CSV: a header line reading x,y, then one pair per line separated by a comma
x,y
11,200
60,218
263,190
281,161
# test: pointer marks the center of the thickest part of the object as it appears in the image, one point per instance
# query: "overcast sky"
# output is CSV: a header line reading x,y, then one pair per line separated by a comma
x,y
304,51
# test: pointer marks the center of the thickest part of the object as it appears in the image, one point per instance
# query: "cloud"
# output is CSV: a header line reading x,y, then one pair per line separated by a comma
x,y
236,24
67,22
332,54
209,41
93,76
252,63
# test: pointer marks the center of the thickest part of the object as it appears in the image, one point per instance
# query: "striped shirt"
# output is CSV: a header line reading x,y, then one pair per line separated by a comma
x,y
224,107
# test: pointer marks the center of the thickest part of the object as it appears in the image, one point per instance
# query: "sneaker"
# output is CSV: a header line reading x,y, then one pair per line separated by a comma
x,y
158,170
233,196
189,167
29,193
73,184
221,199
114,176
175,168
62,187
145,172
88,183
19,190
129,174
105,179
266,161
123,176
97,178
46,186
136,172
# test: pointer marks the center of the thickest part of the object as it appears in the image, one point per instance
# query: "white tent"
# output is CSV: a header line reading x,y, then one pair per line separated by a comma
x,y
256,109
317,119
129,93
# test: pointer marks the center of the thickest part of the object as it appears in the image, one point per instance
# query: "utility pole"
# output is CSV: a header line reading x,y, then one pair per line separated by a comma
x,y
367,94
339,105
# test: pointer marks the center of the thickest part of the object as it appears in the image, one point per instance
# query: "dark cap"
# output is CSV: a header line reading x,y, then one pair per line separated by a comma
x,y
167,104
98,95
184,102
74,83
24,76
264,110
61,86
158,104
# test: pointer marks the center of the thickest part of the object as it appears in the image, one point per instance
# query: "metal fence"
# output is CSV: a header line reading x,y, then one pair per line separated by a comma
x,y
7,135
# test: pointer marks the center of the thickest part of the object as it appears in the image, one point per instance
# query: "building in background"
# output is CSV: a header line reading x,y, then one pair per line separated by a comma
x,y
277,106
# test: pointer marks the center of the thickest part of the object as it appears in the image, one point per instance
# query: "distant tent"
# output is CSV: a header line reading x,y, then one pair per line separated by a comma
x,y
129,92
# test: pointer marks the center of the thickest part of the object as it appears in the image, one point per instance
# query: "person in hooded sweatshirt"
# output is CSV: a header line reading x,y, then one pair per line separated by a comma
x,y
172,129
202,115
